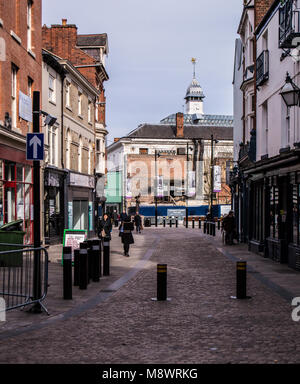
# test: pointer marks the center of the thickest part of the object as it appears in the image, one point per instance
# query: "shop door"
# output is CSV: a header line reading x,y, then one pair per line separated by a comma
x,y
80,214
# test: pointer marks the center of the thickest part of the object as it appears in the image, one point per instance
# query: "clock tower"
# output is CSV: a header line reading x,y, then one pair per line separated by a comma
x,y
194,96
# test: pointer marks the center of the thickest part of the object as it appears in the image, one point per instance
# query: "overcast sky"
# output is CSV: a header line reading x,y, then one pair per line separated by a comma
x,y
151,44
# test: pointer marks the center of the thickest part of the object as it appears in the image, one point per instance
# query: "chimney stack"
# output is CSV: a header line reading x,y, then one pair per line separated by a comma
x,y
116,139
64,22
179,125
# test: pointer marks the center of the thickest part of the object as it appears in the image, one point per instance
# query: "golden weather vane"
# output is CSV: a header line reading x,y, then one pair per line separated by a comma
x,y
194,61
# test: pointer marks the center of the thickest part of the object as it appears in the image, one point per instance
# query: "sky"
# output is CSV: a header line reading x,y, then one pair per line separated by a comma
x,y
151,44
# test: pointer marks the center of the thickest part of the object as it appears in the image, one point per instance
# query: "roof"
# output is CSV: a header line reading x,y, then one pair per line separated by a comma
x,y
201,120
99,40
164,131
194,90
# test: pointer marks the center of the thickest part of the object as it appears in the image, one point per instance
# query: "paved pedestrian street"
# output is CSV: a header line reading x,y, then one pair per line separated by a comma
x,y
200,323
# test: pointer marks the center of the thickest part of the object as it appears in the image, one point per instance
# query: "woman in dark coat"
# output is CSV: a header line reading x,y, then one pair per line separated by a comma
x,y
105,224
126,235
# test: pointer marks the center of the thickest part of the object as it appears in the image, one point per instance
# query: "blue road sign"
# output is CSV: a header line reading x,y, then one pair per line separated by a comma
x,y
35,146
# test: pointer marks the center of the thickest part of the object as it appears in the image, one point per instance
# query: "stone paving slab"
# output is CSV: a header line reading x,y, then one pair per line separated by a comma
x,y
201,323
119,266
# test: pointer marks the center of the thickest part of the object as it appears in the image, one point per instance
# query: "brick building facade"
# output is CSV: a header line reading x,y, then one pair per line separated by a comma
x,y
20,75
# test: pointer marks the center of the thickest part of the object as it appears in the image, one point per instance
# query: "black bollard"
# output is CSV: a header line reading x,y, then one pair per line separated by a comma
x,y
95,261
193,222
219,221
214,229
204,227
83,266
100,258
106,251
67,273
170,222
76,267
161,282
90,260
199,222
176,222
164,221
241,280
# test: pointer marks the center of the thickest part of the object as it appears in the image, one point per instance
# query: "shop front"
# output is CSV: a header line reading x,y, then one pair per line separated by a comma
x,y
80,206
54,203
275,218
16,190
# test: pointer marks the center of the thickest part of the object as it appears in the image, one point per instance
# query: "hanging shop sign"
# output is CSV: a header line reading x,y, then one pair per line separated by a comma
x,y
217,179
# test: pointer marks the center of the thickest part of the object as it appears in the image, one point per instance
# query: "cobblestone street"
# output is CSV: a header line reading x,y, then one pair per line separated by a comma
x,y
200,324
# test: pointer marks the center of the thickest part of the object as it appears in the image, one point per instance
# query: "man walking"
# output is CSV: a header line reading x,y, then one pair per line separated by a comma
x,y
138,222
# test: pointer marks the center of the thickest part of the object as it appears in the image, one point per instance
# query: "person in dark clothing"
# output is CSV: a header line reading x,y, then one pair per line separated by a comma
x,y
126,235
104,228
116,218
228,225
138,222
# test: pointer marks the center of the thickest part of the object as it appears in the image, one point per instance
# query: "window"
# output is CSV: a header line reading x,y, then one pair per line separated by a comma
x,y
51,88
68,154
98,145
79,103
52,143
143,151
14,71
80,155
274,212
29,25
68,94
89,111
30,86
96,113
265,121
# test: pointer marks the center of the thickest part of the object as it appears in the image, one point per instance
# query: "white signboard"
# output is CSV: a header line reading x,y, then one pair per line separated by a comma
x,y
25,107
217,179
159,186
82,180
128,189
191,183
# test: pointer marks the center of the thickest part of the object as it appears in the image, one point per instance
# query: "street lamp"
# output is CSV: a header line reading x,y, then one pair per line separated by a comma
x,y
290,92
156,185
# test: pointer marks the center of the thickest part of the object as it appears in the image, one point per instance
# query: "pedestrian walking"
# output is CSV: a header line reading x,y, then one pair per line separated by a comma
x,y
116,218
228,225
138,222
105,228
126,234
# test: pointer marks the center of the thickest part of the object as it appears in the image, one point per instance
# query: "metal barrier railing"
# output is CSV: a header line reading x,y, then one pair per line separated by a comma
x,y
18,270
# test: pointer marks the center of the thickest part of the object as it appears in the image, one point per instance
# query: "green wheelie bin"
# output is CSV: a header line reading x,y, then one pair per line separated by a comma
x,y
11,233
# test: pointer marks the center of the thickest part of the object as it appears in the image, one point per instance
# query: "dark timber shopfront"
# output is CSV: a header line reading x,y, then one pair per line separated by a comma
x,y
274,189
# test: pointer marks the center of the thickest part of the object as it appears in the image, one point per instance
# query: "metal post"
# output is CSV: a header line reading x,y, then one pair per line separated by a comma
x,y
67,273
170,222
164,221
100,258
90,260
187,172
176,222
155,184
219,222
161,282
36,210
204,226
241,279
199,222
96,260
212,173
76,267
193,222
214,229
106,263
83,266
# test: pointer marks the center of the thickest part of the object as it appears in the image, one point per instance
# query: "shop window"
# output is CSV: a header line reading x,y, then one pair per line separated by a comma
x,y
274,212
80,214
295,213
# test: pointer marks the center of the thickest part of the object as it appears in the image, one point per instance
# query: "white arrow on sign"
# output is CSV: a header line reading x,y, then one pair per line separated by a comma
x,y
35,141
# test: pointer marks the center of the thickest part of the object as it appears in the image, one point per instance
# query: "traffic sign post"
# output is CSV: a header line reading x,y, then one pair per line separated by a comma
x,y
34,148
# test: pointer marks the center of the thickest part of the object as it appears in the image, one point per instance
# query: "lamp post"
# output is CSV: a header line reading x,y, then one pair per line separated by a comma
x,y
290,92
155,184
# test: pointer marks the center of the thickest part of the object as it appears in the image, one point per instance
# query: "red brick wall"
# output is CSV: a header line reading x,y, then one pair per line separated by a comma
x,y
61,40
14,16
261,8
